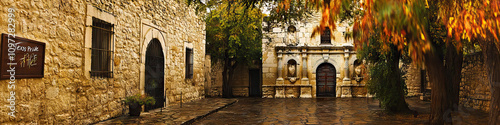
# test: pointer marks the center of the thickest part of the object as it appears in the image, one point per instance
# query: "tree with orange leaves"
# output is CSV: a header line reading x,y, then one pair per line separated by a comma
x,y
407,23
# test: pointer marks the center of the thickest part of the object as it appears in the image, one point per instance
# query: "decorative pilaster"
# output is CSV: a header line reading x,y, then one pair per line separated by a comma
x,y
280,67
305,91
346,67
280,92
304,66
346,88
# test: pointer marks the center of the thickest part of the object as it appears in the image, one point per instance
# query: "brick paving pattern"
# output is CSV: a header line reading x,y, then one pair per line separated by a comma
x,y
175,115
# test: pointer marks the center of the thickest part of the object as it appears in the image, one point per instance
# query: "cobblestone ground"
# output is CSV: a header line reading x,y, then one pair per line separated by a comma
x,y
328,111
174,115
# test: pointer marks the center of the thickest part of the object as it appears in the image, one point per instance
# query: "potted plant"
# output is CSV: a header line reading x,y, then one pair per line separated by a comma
x,y
136,101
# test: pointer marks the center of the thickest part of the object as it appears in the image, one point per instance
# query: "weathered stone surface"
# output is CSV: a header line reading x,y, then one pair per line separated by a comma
x,y
65,95
240,82
412,79
474,86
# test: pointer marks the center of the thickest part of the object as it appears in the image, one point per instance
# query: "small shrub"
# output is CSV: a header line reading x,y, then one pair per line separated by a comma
x,y
140,99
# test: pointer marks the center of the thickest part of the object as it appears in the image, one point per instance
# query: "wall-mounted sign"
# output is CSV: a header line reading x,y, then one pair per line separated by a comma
x,y
27,56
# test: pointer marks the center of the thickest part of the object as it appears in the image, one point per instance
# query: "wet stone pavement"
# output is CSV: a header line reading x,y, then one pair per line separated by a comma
x,y
328,111
174,114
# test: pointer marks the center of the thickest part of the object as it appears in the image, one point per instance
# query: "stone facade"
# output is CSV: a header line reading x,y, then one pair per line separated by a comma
x,y
240,83
67,94
474,86
291,57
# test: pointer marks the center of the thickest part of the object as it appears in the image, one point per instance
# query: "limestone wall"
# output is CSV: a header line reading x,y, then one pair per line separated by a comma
x,y
66,95
475,87
240,82
215,89
413,79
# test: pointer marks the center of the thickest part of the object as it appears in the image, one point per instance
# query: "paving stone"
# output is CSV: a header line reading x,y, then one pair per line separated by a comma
x,y
328,111
175,114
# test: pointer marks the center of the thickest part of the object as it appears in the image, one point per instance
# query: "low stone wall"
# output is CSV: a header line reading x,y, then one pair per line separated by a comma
x,y
240,91
475,87
215,91
268,92
359,91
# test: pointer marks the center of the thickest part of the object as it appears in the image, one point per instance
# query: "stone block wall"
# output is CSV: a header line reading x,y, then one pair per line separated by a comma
x,y
474,86
412,79
65,95
215,89
359,91
240,81
240,91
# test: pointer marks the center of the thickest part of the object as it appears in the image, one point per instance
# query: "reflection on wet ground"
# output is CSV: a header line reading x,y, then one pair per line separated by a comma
x,y
328,111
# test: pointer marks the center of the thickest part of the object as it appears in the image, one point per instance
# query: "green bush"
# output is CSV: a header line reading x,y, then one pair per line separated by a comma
x,y
140,99
388,86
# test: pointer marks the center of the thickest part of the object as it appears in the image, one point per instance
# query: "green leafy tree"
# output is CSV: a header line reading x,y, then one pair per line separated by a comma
x,y
234,36
386,81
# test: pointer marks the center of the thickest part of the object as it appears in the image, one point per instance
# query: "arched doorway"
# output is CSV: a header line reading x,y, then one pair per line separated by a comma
x,y
326,80
154,67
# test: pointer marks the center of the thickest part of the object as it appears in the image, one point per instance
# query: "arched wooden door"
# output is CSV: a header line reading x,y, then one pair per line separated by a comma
x,y
154,74
326,80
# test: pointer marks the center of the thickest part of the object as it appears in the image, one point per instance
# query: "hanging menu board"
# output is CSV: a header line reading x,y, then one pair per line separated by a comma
x,y
23,56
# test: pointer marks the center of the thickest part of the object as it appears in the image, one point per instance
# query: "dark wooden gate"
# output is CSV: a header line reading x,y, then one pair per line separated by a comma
x,y
325,80
154,74
254,82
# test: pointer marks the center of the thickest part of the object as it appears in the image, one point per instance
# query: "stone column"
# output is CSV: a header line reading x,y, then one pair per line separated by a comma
x,y
304,66
280,89
280,67
346,67
305,91
346,86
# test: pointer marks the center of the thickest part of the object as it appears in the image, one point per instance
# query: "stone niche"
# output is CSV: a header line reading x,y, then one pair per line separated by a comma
x,y
291,69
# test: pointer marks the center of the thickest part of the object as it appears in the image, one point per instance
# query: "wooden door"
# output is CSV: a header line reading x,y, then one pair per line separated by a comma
x,y
154,84
325,80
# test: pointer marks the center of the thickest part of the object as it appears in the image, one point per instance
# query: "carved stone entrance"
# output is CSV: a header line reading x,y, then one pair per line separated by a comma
x,y
325,80
154,67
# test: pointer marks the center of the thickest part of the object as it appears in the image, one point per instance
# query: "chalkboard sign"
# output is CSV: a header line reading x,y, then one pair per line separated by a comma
x,y
27,56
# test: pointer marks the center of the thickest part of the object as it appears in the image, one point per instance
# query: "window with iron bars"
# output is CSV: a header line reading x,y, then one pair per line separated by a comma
x,y
325,36
102,37
189,63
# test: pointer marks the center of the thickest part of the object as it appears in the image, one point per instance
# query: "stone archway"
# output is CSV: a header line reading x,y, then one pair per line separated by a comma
x,y
326,81
154,74
151,33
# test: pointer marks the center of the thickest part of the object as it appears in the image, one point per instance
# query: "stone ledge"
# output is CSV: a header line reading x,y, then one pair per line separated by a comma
x,y
286,85
353,85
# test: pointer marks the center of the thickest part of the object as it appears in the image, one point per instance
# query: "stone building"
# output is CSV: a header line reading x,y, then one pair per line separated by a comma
x,y
100,51
296,65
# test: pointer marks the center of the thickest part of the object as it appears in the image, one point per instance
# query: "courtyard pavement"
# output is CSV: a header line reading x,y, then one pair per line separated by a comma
x,y
175,114
329,111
